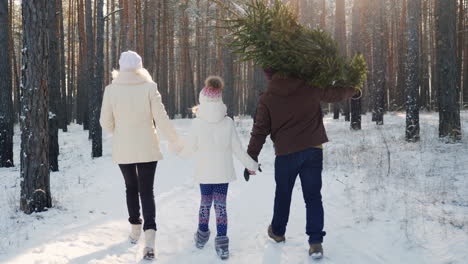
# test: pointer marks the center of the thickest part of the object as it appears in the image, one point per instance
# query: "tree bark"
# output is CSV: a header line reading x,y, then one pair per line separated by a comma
x,y
114,39
356,49
412,65
96,92
130,28
449,108
35,180
465,65
6,103
340,37
399,100
460,40
53,68
90,63
150,36
424,102
63,81
379,63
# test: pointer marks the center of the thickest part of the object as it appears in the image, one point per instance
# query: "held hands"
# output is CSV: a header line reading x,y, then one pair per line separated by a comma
x,y
177,147
247,173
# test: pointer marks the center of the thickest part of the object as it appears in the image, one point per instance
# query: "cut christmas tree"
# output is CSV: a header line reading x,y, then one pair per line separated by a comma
x,y
272,38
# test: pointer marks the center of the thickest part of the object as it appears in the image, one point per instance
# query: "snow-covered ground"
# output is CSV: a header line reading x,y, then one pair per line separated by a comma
x,y
386,201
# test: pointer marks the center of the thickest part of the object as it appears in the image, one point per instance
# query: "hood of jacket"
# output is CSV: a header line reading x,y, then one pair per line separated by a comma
x,y
212,112
284,86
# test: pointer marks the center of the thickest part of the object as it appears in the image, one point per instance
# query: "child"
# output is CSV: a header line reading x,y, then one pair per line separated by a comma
x,y
212,141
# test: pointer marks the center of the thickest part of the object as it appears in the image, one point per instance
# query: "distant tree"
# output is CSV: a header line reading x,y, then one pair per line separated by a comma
x,y
6,103
356,41
150,35
425,34
130,26
412,77
401,50
187,81
379,62
340,37
448,95
35,178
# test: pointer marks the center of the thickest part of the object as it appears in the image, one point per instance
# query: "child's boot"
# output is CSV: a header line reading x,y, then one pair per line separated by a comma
x,y
316,251
201,238
135,233
150,237
222,247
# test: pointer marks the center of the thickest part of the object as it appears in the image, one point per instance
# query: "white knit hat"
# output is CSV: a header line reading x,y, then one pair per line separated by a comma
x,y
210,95
130,61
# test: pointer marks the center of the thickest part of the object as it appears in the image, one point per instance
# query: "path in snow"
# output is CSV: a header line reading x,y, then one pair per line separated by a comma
x,y
364,224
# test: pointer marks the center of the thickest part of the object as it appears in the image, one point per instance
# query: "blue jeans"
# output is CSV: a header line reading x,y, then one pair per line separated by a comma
x,y
308,165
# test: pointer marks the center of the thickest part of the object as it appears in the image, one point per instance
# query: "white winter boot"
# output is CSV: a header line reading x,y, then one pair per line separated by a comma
x,y
135,233
150,237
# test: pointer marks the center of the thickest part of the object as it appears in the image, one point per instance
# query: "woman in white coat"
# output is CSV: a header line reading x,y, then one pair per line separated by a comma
x,y
131,107
212,141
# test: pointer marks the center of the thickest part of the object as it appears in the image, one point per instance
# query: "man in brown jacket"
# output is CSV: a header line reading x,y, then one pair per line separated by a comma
x,y
289,111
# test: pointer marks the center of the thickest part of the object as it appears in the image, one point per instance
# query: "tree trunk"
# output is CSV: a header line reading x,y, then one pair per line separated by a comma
x,y
340,36
63,81
323,15
123,25
6,103
379,63
96,91
173,93
90,63
399,100
16,76
449,108
163,61
465,65
53,68
70,61
130,29
460,40
228,73
150,36
356,49
139,28
35,178
114,39
424,102
187,73
412,66
82,104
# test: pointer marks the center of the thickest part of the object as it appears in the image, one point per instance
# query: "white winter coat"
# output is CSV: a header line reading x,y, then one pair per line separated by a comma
x,y
212,142
130,105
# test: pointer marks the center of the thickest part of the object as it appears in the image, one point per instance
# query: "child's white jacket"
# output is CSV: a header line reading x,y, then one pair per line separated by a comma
x,y
212,142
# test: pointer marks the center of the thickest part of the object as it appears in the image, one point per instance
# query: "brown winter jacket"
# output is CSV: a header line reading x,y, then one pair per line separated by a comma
x,y
290,112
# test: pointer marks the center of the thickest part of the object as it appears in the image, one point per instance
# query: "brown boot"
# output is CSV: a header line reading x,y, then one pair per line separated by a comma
x,y
316,251
276,238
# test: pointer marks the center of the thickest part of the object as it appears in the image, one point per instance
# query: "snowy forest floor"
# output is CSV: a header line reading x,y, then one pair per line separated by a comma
x,y
386,201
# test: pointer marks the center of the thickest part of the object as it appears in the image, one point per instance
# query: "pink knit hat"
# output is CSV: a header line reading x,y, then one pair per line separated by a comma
x,y
208,94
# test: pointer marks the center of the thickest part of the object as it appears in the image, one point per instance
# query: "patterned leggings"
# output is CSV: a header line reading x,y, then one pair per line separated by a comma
x,y
216,193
